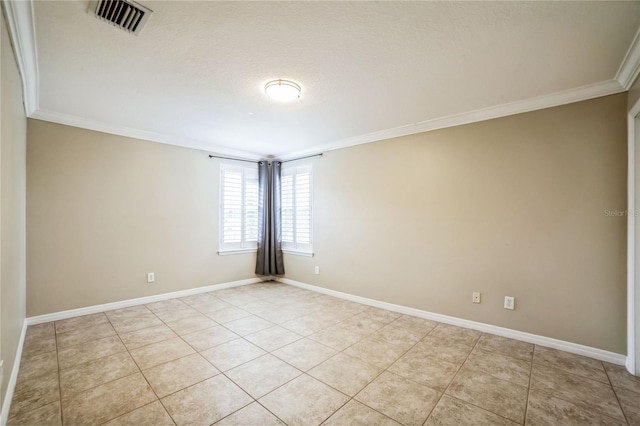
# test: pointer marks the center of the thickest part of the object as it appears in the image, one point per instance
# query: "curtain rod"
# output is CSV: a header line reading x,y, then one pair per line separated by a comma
x,y
257,161
302,158
234,159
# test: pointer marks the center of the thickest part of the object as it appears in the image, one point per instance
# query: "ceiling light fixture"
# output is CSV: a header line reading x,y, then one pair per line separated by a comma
x,y
282,90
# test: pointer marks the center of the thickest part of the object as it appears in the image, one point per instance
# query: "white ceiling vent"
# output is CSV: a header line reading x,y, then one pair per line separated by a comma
x,y
124,14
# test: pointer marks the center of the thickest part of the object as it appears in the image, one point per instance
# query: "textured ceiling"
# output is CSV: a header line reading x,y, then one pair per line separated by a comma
x,y
197,70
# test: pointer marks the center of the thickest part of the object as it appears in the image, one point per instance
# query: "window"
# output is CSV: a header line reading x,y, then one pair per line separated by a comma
x,y
297,202
238,207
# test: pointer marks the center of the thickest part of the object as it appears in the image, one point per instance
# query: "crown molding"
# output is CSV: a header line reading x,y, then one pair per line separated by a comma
x,y
532,104
20,18
630,67
98,126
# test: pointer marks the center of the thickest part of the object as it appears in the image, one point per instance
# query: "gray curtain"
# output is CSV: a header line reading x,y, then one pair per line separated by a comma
x,y
270,260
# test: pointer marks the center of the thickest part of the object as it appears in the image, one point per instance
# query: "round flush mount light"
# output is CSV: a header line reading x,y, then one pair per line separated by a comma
x,y
282,90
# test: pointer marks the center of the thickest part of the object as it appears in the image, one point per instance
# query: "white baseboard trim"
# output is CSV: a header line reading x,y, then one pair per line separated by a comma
x,y
56,316
6,403
549,342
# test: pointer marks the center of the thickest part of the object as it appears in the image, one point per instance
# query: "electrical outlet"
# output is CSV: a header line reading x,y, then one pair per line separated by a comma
x,y
317,270
476,297
509,302
151,277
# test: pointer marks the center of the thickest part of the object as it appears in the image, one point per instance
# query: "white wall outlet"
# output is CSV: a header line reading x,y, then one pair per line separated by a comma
x,y
317,270
151,277
476,297
509,302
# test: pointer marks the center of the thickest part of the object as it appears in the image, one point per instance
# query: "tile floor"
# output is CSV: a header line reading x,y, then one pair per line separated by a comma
x,y
271,354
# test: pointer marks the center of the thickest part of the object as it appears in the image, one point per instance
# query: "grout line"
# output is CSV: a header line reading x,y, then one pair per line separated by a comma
x,y
526,407
454,376
616,395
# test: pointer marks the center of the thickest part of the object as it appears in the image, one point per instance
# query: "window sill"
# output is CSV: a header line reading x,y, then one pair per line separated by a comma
x,y
239,251
298,253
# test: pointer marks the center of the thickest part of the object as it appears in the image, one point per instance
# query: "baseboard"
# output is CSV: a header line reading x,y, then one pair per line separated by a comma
x,y
549,342
56,316
6,403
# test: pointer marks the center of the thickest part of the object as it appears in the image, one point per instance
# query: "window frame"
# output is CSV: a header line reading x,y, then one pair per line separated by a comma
x,y
296,248
246,171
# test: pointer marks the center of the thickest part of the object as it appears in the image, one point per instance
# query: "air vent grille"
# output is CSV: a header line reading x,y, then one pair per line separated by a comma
x,y
124,14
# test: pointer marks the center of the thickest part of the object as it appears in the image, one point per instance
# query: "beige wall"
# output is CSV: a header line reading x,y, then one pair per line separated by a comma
x,y
512,206
12,212
103,210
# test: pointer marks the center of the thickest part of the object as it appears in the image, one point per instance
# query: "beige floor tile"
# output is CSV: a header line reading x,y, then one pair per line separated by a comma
x,y
237,299
336,337
500,366
403,400
356,414
38,365
85,335
209,337
281,315
127,325
586,393
399,335
451,333
224,316
177,313
546,410
201,299
344,373
630,402
147,336
74,355
428,371
262,375
191,324
40,331
444,350
251,415
210,305
377,352
108,401
305,325
37,345
86,376
383,315
260,306
363,324
165,305
152,414
571,363
453,412
621,378
47,415
506,346
485,391
175,375
76,323
35,393
248,325
304,401
304,354
206,402
161,352
273,338
231,354
130,312
415,323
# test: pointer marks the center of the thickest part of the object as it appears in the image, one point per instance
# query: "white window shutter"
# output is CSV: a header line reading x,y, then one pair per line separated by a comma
x,y
238,207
